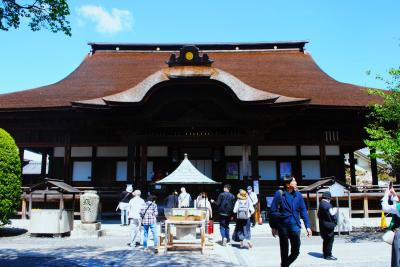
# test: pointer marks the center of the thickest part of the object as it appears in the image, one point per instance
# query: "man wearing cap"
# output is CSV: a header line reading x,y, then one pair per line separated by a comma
x,y
253,200
327,223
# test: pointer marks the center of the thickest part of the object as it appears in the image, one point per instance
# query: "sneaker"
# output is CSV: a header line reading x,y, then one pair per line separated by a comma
x,y
129,244
137,244
331,258
224,241
155,251
249,244
241,244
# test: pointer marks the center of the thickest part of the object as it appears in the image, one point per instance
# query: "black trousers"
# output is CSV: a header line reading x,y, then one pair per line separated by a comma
x,y
253,217
284,236
396,250
327,243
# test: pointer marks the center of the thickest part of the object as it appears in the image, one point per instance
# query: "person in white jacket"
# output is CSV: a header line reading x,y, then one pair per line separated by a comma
x,y
135,204
184,199
243,209
203,202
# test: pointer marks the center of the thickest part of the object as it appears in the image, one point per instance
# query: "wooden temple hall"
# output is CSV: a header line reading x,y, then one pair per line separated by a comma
x,y
241,111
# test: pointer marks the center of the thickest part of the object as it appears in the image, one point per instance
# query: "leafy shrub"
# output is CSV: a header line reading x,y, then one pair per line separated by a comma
x,y
10,177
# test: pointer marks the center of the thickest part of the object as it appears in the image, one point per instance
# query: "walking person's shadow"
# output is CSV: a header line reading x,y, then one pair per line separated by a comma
x,y
316,254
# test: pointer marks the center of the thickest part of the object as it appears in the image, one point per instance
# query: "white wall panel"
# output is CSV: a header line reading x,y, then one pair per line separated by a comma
x,y
112,151
157,151
310,169
82,171
59,152
309,150
277,150
267,169
81,151
332,150
122,171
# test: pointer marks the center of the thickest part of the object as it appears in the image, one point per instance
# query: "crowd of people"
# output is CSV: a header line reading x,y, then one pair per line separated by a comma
x,y
286,211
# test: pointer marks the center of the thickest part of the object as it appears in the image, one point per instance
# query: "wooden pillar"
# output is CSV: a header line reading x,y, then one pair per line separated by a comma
x,y
143,168
137,167
254,162
352,168
322,156
366,210
43,164
67,164
299,173
94,178
51,163
131,165
374,169
23,206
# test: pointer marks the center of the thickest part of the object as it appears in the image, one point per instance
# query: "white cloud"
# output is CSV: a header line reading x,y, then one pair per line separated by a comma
x,y
117,21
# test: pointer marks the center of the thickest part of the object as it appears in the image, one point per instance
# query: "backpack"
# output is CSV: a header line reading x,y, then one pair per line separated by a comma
x,y
243,210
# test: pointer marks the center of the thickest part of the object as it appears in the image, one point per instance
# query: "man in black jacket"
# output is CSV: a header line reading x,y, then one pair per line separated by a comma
x,y
225,203
327,224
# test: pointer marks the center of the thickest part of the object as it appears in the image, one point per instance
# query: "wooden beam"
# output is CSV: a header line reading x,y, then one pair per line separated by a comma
x,y
131,164
43,164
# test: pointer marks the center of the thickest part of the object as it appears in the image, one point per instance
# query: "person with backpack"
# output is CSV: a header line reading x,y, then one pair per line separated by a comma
x,y
225,202
243,209
149,213
286,209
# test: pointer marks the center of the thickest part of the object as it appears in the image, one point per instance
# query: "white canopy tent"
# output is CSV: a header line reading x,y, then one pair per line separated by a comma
x,y
186,173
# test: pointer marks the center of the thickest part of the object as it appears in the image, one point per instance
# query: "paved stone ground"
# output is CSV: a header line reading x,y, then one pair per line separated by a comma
x,y
18,249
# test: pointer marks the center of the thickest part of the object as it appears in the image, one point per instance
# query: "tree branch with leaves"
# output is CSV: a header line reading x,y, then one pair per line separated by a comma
x,y
384,126
48,14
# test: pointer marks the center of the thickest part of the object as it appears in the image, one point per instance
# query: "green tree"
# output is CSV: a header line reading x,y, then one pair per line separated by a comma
x,y
10,177
384,128
48,14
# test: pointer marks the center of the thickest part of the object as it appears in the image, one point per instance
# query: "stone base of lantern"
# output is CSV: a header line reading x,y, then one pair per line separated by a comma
x,y
87,230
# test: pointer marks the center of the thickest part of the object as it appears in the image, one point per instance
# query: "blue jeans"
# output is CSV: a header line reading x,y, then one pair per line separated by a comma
x,y
124,217
224,226
153,228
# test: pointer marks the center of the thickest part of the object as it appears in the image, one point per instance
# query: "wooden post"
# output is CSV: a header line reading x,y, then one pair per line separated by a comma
x,y
254,162
337,214
352,168
44,164
61,201
67,164
299,173
50,152
93,179
374,169
366,210
131,164
23,207
322,156
350,212
143,168
30,205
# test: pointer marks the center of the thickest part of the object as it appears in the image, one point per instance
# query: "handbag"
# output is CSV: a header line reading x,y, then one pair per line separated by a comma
x,y
388,237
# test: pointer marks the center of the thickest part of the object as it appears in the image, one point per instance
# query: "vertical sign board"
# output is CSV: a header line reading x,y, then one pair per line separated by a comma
x,y
256,187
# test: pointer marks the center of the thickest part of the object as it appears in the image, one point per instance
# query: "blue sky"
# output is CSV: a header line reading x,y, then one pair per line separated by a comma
x,y
347,37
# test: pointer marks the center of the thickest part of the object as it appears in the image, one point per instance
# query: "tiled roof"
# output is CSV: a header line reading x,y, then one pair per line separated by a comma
x,y
288,72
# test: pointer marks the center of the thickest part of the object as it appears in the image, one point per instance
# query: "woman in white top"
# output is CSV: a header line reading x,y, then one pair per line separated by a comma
x,y
243,209
202,202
